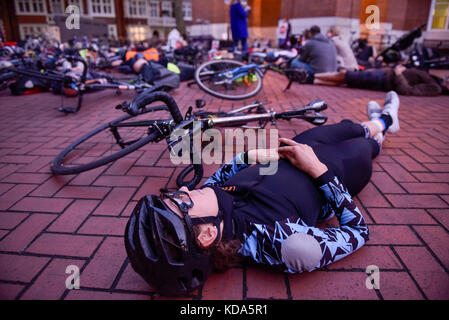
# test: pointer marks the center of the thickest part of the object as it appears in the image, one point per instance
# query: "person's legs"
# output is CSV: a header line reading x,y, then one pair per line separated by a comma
x,y
373,80
331,134
244,45
296,63
326,83
354,157
235,44
348,148
334,77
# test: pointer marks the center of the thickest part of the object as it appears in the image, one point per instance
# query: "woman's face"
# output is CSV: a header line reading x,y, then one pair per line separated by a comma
x,y
205,204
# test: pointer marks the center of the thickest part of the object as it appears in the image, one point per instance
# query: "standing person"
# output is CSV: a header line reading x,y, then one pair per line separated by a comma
x,y
175,240
345,59
239,25
155,41
318,55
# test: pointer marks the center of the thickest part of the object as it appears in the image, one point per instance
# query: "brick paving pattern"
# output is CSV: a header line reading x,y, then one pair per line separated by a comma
x,y
50,222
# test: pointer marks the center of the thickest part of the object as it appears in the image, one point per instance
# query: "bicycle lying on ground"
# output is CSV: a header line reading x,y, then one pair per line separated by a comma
x,y
81,84
234,80
145,124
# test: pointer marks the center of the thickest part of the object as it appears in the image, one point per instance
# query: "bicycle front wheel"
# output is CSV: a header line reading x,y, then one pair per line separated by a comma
x,y
109,142
216,78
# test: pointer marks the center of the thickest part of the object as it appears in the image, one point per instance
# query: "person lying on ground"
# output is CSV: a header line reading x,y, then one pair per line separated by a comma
x,y
405,81
174,241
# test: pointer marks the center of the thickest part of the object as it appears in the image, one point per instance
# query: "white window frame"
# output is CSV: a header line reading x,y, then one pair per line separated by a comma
x,y
102,14
61,3
168,7
137,4
145,27
22,27
158,9
187,5
114,33
430,19
31,12
78,3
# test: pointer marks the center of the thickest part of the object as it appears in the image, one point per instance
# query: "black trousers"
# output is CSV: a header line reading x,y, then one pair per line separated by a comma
x,y
345,149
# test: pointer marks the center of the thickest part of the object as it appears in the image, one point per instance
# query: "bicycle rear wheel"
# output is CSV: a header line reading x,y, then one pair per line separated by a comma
x,y
214,78
110,141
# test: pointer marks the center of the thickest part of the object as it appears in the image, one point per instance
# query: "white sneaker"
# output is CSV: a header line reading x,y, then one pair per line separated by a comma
x,y
373,110
391,108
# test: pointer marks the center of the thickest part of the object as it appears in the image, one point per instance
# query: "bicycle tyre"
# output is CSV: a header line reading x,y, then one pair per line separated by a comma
x,y
221,95
57,166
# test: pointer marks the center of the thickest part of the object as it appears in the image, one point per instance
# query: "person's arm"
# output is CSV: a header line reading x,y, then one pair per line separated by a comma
x,y
229,169
242,12
426,87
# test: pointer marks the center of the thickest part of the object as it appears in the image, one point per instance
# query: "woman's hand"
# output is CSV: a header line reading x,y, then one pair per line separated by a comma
x,y
262,155
302,157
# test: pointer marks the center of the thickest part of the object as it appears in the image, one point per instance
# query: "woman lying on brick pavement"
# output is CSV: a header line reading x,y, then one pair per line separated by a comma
x,y
411,82
175,240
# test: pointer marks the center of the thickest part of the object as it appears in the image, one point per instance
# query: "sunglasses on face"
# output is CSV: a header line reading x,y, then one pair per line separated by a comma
x,y
180,198
183,201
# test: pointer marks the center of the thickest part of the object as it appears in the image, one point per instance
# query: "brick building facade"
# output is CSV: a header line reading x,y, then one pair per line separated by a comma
x,y
125,19
395,17
137,19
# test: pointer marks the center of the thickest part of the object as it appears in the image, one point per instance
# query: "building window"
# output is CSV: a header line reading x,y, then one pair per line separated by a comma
x,y
102,8
154,9
136,8
31,7
167,9
187,10
439,15
27,30
137,33
56,6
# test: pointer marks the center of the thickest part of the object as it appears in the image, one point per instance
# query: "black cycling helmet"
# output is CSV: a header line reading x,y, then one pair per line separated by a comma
x,y
162,249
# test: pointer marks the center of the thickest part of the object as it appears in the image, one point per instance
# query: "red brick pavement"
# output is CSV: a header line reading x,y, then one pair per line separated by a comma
x,y
48,223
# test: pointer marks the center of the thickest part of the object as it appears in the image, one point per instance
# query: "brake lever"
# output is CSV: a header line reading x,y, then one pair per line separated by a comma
x,y
316,105
318,119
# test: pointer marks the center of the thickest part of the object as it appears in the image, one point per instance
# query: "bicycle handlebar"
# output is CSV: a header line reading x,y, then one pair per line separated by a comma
x,y
148,97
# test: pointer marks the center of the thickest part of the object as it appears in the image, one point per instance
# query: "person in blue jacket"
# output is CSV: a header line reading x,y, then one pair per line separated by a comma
x,y
239,26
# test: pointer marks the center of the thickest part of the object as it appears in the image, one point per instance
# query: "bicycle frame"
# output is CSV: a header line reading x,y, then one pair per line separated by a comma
x,y
309,113
243,71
